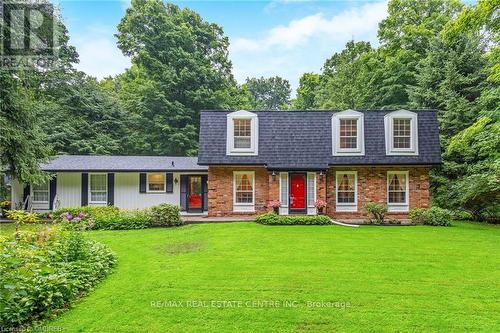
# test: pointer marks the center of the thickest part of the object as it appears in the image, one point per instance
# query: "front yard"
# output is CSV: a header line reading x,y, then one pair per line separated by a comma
x,y
295,278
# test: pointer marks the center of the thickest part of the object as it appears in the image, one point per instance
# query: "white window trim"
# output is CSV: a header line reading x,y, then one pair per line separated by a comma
x,y
313,174
346,206
348,114
90,189
254,141
403,206
284,204
244,207
389,133
32,194
164,182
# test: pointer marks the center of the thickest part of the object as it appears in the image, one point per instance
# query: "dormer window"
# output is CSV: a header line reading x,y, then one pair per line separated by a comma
x,y
401,134
242,133
347,133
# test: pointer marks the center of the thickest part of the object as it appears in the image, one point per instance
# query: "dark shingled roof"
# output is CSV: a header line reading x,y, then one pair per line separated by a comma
x,y
302,140
122,163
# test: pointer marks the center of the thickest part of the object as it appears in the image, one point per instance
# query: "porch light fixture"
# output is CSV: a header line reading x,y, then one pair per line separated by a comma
x,y
176,180
274,175
321,174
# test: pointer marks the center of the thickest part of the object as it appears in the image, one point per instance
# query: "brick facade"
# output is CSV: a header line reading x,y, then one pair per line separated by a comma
x,y
372,187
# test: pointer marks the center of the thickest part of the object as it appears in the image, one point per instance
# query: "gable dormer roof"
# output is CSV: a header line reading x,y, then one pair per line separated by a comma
x,y
302,140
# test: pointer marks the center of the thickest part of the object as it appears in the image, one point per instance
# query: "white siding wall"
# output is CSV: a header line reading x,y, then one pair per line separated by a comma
x,y
127,192
17,194
69,189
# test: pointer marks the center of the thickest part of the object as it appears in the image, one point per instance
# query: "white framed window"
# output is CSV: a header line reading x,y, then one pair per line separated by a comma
x,y
98,188
346,187
401,133
311,189
348,133
243,191
397,191
40,193
284,189
156,182
242,133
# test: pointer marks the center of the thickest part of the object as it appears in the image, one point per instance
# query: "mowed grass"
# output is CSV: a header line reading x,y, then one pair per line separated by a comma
x,y
377,279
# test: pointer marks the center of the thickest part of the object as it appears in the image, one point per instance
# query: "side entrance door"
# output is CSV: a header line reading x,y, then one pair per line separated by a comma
x,y
194,193
298,193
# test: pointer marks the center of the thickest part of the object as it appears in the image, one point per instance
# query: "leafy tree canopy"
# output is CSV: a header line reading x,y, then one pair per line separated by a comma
x,y
271,93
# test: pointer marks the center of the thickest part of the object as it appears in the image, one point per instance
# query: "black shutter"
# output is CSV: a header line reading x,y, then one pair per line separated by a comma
x,y
26,193
111,189
204,190
184,188
85,189
52,191
142,183
170,182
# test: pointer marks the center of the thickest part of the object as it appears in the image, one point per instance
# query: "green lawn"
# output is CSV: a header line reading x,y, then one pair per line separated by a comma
x,y
421,279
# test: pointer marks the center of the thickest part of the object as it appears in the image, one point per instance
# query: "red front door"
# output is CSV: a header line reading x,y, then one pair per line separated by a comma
x,y
194,192
298,191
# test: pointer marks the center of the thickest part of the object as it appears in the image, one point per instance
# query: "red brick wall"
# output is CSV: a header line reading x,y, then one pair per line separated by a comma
x,y
372,187
220,190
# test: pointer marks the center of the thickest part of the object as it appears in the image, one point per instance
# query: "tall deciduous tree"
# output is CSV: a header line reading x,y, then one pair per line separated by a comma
x,y
346,81
23,145
306,92
271,93
180,67
451,79
405,37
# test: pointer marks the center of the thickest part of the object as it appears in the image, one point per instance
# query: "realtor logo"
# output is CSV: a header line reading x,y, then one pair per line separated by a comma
x,y
27,34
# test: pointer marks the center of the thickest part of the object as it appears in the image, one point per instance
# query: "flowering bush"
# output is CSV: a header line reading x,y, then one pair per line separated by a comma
x,y
80,221
274,204
320,204
40,272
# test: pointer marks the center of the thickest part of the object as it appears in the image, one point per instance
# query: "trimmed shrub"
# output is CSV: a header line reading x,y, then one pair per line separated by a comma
x,y
432,216
376,212
126,219
62,266
165,215
274,219
105,218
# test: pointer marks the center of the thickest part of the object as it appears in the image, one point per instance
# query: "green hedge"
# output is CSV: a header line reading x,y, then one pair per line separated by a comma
x,y
41,272
434,216
165,215
112,218
274,219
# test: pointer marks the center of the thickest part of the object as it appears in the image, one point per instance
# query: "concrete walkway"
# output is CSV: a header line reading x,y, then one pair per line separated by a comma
x,y
345,224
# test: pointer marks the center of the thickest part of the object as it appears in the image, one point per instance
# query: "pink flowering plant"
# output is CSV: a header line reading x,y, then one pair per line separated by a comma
x,y
80,221
320,204
274,204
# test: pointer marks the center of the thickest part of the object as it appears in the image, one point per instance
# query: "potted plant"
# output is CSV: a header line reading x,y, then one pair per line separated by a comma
x,y
320,206
275,205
